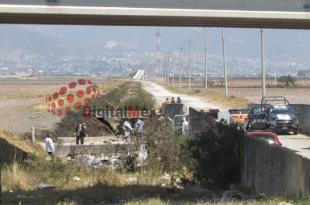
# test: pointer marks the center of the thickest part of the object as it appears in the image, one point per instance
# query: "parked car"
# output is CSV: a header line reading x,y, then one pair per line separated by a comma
x,y
282,119
238,116
274,114
270,137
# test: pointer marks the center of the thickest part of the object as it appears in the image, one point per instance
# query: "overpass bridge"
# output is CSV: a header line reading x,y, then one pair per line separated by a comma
x,y
230,13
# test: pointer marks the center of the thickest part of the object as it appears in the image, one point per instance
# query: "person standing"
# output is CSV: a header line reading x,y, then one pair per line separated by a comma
x,y
127,131
80,132
184,127
172,100
49,144
139,127
166,101
179,100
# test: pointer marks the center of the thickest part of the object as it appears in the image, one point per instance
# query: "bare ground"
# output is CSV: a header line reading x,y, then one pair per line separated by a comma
x,y
22,102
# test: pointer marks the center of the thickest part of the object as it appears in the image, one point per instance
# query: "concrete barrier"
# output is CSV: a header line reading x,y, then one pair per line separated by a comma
x,y
273,170
171,110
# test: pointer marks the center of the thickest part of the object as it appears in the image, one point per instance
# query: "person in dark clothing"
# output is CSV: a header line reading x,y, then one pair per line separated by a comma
x,y
179,100
172,100
80,132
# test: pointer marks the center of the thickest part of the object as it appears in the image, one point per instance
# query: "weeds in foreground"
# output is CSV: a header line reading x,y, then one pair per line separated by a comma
x,y
277,201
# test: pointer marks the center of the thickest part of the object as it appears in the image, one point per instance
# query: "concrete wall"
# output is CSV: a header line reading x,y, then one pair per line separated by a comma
x,y
275,171
65,150
198,120
171,110
303,115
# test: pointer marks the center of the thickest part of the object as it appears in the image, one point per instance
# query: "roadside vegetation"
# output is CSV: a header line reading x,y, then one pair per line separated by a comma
x,y
176,165
179,158
116,96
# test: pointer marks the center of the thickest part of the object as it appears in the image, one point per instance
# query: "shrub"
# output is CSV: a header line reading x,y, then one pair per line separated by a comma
x,y
143,99
216,152
164,145
287,81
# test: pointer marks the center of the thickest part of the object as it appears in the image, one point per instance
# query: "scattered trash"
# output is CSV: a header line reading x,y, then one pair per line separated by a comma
x,y
81,160
44,186
95,163
76,178
69,158
166,176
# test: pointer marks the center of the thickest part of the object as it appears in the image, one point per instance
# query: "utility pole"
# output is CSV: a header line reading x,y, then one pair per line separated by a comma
x,y
167,70
224,61
206,59
180,69
164,71
189,66
275,79
173,68
158,54
263,62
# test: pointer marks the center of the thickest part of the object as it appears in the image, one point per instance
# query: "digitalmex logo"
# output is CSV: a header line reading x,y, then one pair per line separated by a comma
x,y
71,97
111,112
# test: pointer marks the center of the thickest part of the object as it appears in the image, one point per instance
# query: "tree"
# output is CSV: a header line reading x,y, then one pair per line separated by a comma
x,y
287,81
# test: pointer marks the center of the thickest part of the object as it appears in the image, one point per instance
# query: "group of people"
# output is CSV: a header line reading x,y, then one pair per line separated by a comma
x,y
172,101
128,129
80,134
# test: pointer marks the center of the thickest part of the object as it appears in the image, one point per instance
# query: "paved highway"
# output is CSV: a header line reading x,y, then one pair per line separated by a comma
x,y
299,143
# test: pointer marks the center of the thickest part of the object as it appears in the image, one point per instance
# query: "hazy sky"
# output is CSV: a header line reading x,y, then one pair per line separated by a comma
x,y
292,46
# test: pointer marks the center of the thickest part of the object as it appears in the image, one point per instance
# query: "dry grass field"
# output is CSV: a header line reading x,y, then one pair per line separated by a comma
x,y
241,91
294,95
22,101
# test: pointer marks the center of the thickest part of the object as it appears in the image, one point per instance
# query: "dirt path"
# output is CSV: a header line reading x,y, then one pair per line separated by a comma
x,y
160,94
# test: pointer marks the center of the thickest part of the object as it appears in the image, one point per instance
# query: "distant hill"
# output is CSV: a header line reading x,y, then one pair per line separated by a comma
x,y
55,42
